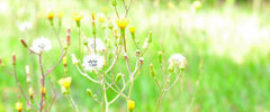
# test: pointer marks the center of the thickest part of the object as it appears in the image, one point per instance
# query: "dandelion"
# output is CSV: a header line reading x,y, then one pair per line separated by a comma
x,y
100,46
41,44
93,62
25,26
122,23
131,105
178,60
19,106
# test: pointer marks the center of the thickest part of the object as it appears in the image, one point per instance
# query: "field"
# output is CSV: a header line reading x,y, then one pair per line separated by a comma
x,y
225,44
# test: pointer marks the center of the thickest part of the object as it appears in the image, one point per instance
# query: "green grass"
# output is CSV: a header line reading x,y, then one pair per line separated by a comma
x,y
234,76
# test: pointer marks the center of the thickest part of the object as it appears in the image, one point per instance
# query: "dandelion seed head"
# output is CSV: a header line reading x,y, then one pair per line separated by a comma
x,y
178,60
93,62
41,44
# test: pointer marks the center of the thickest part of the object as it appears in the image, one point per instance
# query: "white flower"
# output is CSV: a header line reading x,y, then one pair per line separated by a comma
x,y
25,26
41,44
178,60
100,46
93,62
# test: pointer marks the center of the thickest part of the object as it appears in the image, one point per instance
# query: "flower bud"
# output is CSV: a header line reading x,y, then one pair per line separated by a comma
x,y
31,92
14,59
118,77
1,62
160,56
75,61
24,43
141,60
65,61
114,3
131,105
19,106
43,90
138,52
125,56
93,16
153,74
68,36
89,92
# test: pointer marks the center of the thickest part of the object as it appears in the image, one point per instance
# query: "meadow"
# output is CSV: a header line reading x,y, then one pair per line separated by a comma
x,y
224,44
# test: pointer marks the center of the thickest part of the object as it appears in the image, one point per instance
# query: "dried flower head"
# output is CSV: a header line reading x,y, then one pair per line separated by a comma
x,y
41,44
93,62
178,60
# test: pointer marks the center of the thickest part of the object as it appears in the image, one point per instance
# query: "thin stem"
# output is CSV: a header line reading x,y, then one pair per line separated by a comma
x,y
105,100
79,42
73,103
63,53
88,77
160,100
42,82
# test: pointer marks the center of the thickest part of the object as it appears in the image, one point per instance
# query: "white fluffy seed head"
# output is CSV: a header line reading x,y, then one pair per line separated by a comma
x,y
93,62
178,60
41,44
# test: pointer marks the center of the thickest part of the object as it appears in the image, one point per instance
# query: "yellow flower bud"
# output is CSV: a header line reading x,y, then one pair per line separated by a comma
x,y
50,15
65,82
60,15
93,16
77,17
31,92
43,90
65,61
131,105
122,23
132,29
19,106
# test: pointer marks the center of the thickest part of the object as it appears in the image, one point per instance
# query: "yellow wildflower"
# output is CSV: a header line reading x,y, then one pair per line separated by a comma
x,y
77,17
132,29
50,15
19,106
65,82
131,105
122,23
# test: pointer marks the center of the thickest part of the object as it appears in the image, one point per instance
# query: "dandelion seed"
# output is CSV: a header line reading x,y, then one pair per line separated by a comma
x,y
178,60
100,46
41,44
93,62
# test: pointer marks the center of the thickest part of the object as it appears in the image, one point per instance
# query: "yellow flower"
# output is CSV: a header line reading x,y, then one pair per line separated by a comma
x,y
43,90
93,16
60,15
65,82
77,17
122,23
131,105
65,61
132,29
50,15
19,106
31,92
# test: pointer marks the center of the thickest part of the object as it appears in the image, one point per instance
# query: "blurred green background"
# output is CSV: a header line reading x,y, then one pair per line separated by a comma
x,y
226,43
